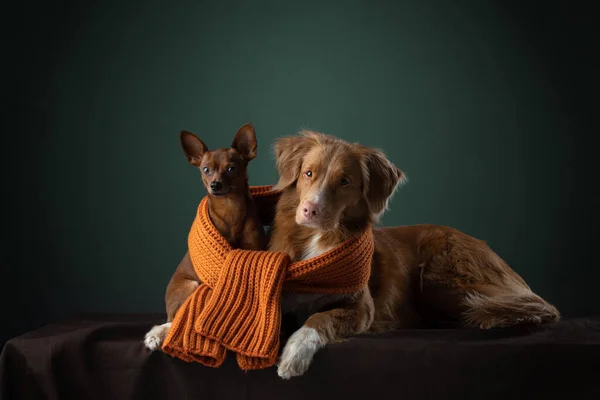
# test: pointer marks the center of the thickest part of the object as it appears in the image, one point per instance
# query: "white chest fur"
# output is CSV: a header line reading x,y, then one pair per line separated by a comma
x,y
313,248
294,301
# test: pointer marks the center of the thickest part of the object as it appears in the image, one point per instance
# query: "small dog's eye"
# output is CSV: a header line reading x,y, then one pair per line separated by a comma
x,y
231,168
206,170
344,182
308,174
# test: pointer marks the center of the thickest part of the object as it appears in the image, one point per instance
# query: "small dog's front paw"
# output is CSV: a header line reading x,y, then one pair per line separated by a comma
x,y
156,336
298,352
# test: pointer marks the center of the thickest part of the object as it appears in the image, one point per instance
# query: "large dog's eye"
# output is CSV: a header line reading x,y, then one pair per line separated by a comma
x,y
206,170
231,169
308,174
344,182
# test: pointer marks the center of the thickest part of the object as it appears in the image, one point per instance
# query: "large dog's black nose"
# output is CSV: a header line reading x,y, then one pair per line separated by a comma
x,y
216,185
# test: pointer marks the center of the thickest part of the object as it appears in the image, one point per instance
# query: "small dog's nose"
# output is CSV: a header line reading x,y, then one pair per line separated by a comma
x,y
310,210
216,185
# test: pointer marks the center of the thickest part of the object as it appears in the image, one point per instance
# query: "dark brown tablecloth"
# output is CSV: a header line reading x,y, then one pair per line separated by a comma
x,y
102,357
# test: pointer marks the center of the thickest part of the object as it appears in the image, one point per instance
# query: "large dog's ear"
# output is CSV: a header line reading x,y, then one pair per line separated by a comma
x,y
245,142
289,153
193,147
381,179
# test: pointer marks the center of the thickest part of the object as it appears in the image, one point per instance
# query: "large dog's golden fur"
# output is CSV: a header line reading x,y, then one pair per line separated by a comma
x,y
422,275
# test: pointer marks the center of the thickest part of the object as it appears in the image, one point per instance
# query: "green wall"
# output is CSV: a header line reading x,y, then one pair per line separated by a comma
x,y
487,106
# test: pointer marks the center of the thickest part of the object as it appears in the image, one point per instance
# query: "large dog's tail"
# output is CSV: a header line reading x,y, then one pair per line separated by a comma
x,y
485,311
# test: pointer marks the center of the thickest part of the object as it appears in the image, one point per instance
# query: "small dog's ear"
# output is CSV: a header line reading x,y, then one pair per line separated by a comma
x,y
381,179
193,147
245,142
289,152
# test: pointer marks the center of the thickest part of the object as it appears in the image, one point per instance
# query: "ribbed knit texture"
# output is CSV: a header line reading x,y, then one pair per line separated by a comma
x,y
238,305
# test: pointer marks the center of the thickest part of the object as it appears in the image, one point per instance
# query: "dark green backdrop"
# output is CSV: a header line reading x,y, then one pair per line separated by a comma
x,y
487,106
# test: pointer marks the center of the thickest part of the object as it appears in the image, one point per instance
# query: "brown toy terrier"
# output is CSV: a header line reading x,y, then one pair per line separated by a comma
x,y
231,210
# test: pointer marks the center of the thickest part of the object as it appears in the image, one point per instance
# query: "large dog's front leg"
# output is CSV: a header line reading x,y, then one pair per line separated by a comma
x,y
323,328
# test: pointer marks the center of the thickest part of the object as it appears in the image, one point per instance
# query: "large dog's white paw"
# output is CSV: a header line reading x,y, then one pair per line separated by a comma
x,y
156,336
298,352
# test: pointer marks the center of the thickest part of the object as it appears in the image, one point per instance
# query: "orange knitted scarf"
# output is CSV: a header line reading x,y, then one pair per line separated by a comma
x,y
238,305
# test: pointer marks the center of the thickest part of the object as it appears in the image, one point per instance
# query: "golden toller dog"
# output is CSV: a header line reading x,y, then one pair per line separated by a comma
x,y
422,275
